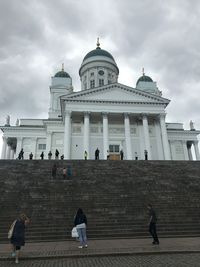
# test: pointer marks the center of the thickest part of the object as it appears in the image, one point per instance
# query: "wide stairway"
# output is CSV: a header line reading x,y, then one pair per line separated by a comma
x,y
113,194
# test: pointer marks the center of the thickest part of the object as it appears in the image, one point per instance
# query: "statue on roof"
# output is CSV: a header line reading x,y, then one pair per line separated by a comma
x,y
192,126
17,122
7,120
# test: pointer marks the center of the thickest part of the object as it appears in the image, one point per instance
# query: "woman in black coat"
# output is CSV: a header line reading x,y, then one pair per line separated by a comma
x,y
80,222
18,236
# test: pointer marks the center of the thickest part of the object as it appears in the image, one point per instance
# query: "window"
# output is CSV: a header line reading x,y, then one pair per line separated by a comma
x,y
92,84
101,82
85,86
109,81
41,146
92,74
114,148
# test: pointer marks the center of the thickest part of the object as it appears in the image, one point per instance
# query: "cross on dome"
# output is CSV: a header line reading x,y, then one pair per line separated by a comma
x,y
98,43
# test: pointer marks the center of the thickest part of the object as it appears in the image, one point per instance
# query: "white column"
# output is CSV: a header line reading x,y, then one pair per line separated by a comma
x,y
88,79
34,147
158,141
19,146
86,134
48,147
185,150
105,135
190,152
8,150
196,149
127,137
164,137
146,135
96,77
12,152
67,135
3,151
106,76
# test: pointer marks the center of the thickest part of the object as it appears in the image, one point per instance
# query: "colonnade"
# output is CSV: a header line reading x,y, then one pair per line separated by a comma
x,y
7,152
129,155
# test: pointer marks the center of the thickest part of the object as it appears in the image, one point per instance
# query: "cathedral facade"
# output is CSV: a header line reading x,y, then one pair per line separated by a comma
x,y
106,115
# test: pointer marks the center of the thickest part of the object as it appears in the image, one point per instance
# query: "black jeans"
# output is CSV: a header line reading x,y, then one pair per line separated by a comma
x,y
152,230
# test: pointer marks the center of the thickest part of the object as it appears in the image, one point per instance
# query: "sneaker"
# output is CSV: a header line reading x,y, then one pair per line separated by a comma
x,y
86,246
16,261
13,254
80,246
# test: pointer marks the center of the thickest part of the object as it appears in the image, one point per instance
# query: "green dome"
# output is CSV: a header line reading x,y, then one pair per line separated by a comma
x,y
98,52
62,74
144,78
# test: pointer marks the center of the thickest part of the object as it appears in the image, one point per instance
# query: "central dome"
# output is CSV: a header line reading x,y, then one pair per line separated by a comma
x,y
98,52
98,68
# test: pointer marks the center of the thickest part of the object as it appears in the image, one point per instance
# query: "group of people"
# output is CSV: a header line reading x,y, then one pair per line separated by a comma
x,y
16,232
97,152
21,155
66,171
50,155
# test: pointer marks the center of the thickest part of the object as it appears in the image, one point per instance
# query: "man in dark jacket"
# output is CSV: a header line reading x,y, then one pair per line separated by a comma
x,y
152,224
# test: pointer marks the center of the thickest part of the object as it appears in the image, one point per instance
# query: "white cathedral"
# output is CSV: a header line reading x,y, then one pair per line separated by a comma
x,y
106,115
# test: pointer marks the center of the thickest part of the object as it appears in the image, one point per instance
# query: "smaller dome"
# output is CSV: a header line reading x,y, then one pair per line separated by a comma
x,y
62,74
144,78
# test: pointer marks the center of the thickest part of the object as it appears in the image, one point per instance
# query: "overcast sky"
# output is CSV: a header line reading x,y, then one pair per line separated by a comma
x,y
37,36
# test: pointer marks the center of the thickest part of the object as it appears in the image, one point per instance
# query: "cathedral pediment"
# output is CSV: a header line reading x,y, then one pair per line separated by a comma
x,y
115,93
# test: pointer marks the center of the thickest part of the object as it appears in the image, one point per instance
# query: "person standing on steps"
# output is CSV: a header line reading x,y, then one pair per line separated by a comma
x,y
152,224
64,173
146,154
121,154
85,155
49,155
54,171
108,155
42,155
80,222
97,154
21,154
18,236
31,156
56,154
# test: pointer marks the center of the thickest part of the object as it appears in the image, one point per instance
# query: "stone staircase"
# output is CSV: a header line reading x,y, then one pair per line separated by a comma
x,y
113,194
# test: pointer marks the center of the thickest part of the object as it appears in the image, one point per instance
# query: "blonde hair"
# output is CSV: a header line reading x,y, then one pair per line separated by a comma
x,y
23,217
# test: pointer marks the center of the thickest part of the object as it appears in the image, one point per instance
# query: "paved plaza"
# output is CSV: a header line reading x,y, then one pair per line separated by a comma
x,y
162,260
114,252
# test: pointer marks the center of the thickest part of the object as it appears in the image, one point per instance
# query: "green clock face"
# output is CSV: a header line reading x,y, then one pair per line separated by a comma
x,y
101,72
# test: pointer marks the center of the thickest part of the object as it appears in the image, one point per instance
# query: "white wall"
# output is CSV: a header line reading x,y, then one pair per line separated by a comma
x,y
1,143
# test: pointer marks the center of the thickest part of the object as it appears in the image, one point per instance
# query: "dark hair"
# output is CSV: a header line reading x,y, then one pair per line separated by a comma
x,y
79,211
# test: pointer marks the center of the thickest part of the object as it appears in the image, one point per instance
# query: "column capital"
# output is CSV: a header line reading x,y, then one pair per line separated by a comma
x,y
144,115
126,114
68,112
162,115
104,114
4,138
86,113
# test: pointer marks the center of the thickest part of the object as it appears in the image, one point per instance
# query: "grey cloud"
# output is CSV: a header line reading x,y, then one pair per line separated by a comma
x,y
37,36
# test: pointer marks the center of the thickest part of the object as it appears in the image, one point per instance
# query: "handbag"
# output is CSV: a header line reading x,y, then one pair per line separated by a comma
x,y
10,232
74,232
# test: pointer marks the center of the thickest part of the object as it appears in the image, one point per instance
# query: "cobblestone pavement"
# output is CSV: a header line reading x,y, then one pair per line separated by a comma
x,y
163,260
